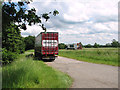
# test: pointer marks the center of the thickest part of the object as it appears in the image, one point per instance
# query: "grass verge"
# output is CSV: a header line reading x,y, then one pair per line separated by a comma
x,y
107,56
28,73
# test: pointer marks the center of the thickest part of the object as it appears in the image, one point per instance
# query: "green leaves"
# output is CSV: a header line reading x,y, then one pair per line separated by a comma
x,y
55,12
12,39
13,44
23,26
62,46
29,42
20,3
45,16
115,43
17,13
8,56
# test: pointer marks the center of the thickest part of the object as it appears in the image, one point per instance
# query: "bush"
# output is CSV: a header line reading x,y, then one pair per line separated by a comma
x,y
62,46
12,39
88,46
29,42
8,56
96,45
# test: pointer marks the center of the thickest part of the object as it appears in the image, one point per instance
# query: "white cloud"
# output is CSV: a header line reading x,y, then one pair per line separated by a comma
x,y
31,30
100,26
87,21
112,25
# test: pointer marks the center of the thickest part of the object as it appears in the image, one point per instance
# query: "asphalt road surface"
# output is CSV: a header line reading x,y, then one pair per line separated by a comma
x,y
87,75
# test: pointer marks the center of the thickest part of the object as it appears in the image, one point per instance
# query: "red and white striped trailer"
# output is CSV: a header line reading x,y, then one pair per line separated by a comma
x,y
46,45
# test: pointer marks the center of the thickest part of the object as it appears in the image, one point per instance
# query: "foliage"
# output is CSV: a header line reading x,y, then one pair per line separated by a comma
x,y
13,44
22,16
12,39
96,45
29,42
28,73
108,45
114,43
8,56
88,46
62,46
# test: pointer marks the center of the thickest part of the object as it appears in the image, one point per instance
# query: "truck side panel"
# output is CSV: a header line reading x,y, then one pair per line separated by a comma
x,y
38,44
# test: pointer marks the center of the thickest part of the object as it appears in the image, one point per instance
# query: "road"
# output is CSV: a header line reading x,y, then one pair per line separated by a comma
x,y
87,75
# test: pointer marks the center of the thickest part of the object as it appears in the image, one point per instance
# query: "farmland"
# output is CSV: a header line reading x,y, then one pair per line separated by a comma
x,y
27,72
107,56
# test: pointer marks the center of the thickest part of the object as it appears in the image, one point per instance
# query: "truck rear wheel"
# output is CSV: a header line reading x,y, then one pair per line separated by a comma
x,y
51,60
35,54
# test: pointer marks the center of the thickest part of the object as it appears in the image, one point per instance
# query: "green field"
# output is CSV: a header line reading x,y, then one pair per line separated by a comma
x,y
107,56
25,72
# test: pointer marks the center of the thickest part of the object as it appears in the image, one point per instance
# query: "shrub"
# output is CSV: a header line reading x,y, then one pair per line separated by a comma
x,y
8,56
29,42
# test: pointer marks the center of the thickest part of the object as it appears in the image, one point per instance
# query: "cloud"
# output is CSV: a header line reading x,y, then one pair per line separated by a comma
x,y
31,30
87,21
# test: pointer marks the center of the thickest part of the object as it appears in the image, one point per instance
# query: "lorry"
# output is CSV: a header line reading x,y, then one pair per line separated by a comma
x,y
46,45
74,46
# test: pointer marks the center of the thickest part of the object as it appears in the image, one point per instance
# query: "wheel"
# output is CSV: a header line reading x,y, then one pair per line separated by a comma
x,y
52,60
35,54
40,57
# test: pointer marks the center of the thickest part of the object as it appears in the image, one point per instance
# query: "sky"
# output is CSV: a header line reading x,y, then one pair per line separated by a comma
x,y
87,21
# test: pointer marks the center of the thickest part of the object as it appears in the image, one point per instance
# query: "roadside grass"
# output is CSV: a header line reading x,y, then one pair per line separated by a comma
x,y
107,56
28,73
32,50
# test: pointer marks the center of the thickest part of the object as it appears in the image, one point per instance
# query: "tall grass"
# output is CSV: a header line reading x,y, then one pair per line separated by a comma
x,y
95,55
29,73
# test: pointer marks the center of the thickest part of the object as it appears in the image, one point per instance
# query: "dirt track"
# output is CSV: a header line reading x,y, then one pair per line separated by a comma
x,y
87,75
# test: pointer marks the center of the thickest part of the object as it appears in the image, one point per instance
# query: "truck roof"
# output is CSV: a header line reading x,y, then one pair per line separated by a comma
x,y
46,32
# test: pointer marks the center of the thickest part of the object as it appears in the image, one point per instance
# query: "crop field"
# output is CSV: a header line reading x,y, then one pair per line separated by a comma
x,y
107,56
27,72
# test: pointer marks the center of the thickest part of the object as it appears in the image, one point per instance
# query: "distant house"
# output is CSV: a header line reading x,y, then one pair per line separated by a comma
x,y
79,45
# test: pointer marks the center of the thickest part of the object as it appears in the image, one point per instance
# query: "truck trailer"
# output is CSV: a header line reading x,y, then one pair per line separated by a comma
x,y
46,45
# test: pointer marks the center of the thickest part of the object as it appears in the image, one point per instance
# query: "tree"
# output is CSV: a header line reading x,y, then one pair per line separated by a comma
x,y
13,40
96,45
108,45
13,44
88,46
15,16
22,16
62,46
115,43
29,42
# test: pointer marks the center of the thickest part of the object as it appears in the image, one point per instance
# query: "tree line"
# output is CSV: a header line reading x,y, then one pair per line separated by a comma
x,y
114,43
